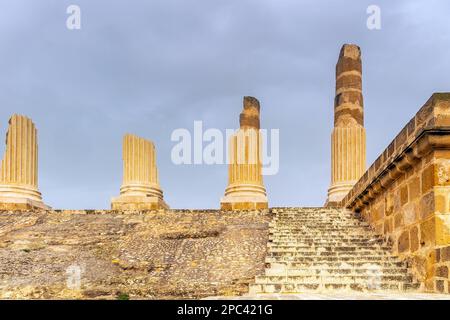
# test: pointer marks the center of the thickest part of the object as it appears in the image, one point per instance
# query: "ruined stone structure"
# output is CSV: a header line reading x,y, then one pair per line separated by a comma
x,y
140,189
386,229
19,167
326,249
245,189
405,195
348,140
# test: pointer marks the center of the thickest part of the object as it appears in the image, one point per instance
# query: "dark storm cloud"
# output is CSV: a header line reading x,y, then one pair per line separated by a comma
x,y
149,68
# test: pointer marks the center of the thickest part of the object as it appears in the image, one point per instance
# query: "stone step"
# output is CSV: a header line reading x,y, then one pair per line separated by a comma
x,y
323,244
311,220
324,259
314,271
318,222
319,243
337,254
326,239
344,247
331,239
317,234
331,264
306,228
317,217
308,287
335,278
314,249
319,231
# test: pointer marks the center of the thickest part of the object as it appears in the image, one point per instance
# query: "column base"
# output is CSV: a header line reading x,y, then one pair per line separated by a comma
x,y
337,192
13,203
137,203
244,196
20,197
231,203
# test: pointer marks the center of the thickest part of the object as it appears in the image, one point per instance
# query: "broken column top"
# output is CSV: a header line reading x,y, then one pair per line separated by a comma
x,y
249,117
348,104
350,51
349,59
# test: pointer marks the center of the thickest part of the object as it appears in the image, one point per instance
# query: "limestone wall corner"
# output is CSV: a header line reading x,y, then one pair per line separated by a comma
x,y
405,196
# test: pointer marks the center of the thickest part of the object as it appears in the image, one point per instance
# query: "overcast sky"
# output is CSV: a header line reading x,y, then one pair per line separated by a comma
x,y
149,68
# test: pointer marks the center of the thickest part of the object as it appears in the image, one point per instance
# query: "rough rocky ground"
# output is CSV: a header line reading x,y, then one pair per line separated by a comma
x,y
171,254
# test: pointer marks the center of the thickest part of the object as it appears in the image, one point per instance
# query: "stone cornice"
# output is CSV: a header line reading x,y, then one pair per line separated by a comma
x,y
429,129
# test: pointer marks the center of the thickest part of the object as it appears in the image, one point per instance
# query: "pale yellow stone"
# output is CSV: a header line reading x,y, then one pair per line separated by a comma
x,y
140,188
348,139
246,189
442,229
19,167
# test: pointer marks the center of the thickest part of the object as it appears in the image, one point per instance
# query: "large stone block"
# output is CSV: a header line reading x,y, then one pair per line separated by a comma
x,y
409,214
428,232
428,179
403,242
442,229
426,205
442,272
445,254
414,188
414,239
404,195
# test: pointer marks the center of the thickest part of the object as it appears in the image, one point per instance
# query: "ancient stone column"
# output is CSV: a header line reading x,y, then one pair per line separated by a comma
x,y
19,167
140,187
245,189
348,139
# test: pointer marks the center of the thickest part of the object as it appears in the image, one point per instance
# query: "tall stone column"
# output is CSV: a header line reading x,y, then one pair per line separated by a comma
x,y
245,189
140,188
348,139
19,167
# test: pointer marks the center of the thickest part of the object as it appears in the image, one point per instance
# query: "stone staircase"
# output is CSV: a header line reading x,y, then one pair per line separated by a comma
x,y
318,249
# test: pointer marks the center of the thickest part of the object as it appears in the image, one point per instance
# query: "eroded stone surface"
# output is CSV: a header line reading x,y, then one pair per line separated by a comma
x,y
140,188
161,254
348,139
246,190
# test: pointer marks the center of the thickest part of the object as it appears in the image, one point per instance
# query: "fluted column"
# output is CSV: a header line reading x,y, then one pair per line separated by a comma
x,y
19,166
140,188
245,183
348,139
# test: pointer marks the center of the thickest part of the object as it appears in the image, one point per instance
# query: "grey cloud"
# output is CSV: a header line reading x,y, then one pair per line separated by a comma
x,y
151,67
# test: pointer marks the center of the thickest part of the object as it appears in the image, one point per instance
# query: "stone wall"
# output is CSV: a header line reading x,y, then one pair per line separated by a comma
x,y
405,193
160,254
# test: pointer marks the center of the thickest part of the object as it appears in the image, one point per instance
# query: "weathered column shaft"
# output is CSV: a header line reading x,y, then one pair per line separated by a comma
x,y
245,160
19,166
245,183
348,159
348,139
139,161
140,188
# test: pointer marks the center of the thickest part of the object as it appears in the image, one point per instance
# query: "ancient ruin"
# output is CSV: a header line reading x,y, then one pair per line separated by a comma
x,y
140,188
404,194
19,167
348,140
245,189
384,230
